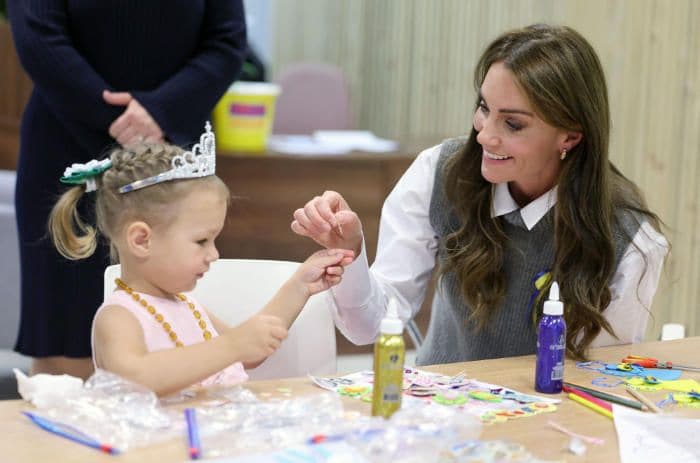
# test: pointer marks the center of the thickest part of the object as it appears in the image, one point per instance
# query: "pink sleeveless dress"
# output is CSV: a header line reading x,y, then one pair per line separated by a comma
x,y
182,322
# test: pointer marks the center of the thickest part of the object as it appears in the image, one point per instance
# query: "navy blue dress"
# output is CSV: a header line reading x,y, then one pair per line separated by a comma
x,y
176,57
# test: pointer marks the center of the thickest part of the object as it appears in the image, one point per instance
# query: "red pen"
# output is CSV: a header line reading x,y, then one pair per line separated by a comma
x,y
590,398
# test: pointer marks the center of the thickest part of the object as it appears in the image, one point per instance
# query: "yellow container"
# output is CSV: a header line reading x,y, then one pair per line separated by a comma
x,y
244,115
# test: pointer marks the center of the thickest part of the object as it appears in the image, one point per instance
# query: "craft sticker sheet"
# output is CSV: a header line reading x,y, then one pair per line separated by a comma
x,y
490,402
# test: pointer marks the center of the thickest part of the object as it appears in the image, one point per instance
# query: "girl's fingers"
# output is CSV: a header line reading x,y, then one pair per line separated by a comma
x,y
334,270
331,280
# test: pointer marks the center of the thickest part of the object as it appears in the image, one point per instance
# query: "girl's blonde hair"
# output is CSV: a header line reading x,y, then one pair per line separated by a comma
x,y
75,239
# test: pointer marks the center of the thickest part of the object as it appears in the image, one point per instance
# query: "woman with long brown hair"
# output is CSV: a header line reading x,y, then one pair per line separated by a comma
x,y
527,198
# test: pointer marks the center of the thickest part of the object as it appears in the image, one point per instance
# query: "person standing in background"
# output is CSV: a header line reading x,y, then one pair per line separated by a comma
x,y
113,71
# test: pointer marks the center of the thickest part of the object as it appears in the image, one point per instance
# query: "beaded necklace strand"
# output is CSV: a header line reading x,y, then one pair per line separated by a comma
x,y
206,334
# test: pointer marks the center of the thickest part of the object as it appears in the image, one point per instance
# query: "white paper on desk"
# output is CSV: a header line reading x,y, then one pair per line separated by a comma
x,y
303,145
330,142
651,437
361,140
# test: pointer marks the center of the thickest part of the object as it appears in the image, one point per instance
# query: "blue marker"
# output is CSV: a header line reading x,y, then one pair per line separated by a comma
x,y
69,433
195,449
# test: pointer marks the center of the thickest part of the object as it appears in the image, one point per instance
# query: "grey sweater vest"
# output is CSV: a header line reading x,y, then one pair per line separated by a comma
x,y
510,330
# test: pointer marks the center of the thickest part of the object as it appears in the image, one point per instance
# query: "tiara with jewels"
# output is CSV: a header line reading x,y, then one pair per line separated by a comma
x,y
200,162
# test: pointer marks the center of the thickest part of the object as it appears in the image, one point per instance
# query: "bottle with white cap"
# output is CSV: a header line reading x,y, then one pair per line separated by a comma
x,y
389,350
551,345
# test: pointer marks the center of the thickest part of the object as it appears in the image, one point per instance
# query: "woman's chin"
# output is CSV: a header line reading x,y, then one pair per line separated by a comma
x,y
490,176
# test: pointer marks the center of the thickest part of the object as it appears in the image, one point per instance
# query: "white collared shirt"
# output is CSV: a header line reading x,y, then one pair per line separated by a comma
x,y
407,250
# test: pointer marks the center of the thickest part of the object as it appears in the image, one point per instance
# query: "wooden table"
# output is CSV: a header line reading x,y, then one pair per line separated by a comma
x,y
23,442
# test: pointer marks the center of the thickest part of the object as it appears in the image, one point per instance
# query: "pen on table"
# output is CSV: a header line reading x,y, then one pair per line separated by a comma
x,y
69,433
195,449
650,362
591,405
644,399
588,397
610,397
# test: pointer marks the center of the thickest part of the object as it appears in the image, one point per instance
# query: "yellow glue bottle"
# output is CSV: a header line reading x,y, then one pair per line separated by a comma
x,y
389,350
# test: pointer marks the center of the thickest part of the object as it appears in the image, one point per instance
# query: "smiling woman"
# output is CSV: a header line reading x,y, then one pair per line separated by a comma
x,y
519,147
528,196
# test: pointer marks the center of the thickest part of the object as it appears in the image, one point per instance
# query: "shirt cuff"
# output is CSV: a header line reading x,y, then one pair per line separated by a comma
x,y
355,288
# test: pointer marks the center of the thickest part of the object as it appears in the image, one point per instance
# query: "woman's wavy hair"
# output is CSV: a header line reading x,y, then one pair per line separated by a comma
x,y
75,239
560,73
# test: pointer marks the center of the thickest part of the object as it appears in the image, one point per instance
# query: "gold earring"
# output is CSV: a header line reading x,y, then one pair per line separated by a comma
x,y
562,156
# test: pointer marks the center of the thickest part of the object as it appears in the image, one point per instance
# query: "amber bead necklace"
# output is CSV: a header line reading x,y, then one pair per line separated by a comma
x,y
206,334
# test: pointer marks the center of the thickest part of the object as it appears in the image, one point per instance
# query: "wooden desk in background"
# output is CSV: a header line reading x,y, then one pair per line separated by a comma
x,y
271,186
23,441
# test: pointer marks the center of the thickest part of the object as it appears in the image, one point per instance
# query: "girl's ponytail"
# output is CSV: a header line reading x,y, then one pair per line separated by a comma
x,y
74,239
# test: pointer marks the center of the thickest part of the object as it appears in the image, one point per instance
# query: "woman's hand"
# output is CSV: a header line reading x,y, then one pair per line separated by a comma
x,y
328,220
135,125
322,270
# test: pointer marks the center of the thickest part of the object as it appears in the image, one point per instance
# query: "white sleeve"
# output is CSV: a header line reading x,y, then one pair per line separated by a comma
x,y
633,287
406,252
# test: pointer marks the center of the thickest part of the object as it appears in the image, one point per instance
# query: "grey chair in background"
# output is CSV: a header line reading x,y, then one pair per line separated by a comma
x,y
315,96
9,289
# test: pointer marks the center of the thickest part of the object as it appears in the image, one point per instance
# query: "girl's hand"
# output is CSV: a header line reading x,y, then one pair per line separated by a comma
x,y
257,338
328,220
322,270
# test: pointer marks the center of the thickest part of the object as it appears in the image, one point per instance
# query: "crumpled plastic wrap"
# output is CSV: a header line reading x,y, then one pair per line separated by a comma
x,y
44,390
411,435
107,408
232,421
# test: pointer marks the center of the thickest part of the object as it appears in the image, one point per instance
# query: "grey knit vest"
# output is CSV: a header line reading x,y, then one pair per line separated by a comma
x,y
510,330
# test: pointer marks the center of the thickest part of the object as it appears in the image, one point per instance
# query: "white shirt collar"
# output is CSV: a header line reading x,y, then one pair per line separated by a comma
x,y
503,203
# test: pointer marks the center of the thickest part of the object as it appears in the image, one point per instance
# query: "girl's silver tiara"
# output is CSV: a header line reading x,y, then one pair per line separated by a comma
x,y
200,162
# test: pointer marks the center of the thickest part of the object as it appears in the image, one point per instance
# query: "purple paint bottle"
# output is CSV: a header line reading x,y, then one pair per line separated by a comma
x,y
551,345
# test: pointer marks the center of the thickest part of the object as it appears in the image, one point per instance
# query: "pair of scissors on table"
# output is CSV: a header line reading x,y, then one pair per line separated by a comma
x,y
648,362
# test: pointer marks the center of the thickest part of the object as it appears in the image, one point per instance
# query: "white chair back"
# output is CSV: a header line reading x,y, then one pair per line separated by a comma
x,y
235,289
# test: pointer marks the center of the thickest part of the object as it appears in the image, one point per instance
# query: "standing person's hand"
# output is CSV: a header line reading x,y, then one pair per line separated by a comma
x,y
135,125
328,220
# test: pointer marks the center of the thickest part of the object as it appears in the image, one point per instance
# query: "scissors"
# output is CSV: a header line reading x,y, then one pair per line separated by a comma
x,y
648,362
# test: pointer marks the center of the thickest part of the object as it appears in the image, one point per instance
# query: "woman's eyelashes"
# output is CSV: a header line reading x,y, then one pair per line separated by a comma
x,y
483,108
512,125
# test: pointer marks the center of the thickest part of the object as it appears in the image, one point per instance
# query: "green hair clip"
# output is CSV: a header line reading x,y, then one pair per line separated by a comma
x,y
77,174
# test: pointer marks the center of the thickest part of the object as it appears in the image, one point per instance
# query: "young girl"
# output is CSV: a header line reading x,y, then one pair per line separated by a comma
x,y
161,210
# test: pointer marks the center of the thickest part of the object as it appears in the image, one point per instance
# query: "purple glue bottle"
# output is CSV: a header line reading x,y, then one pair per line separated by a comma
x,y
551,345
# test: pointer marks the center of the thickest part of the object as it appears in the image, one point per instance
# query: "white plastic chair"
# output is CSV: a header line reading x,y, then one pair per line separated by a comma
x,y
235,289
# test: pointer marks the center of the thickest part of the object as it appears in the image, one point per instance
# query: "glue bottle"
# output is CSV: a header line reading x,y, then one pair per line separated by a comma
x,y
551,345
389,350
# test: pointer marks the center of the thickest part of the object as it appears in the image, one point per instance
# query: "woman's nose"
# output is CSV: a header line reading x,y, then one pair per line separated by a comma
x,y
486,135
